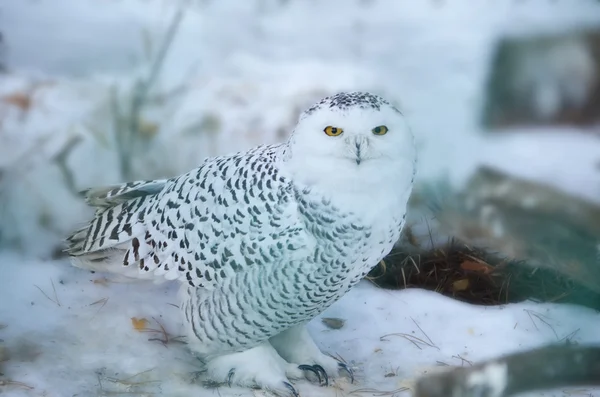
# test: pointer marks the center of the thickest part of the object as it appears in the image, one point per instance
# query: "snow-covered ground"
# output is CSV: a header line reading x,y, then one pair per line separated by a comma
x,y
248,68
70,333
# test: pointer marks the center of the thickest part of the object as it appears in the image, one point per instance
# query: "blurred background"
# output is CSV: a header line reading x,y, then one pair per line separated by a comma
x,y
503,97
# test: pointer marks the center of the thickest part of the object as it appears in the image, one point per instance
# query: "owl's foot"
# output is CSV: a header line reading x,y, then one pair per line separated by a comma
x,y
296,346
260,367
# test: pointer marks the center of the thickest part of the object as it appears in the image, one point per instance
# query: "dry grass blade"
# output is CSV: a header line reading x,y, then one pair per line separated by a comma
x,y
540,317
129,382
463,360
102,302
578,392
383,267
163,331
559,297
531,318
570,336
166,337
55,300
429,231
126,386
15,384
423,332
375,392
412,260
411,338
121,393
55,294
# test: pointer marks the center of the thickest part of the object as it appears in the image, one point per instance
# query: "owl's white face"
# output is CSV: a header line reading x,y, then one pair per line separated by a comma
x,y
350,137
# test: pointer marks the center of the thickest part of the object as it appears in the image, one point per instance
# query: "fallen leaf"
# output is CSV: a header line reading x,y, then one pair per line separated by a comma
x,y
101,281
478,267
139,324
18,99
460,285
147,129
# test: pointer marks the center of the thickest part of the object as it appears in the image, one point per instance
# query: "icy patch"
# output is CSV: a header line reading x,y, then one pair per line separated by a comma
x,y
564,158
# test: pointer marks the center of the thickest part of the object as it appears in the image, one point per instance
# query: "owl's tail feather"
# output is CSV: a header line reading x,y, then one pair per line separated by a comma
x,y
117,238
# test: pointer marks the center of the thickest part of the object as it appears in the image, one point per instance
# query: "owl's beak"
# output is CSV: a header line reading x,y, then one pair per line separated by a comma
x,y
358,145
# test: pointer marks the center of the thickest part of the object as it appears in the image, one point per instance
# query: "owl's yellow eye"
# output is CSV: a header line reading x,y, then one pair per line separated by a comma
x,y
381,130
333,131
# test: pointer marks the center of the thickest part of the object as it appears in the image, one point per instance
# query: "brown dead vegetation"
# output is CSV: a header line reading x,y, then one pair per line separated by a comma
x,y
479,277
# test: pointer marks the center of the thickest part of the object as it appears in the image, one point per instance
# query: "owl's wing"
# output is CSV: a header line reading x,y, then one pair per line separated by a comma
x,y
204,226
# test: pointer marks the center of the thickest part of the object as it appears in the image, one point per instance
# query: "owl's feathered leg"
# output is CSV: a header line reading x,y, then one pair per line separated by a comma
x,y
259,366
296,345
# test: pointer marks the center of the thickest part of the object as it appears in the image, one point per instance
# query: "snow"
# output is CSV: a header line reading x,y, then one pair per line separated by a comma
x,y
562,153
238,74
68,335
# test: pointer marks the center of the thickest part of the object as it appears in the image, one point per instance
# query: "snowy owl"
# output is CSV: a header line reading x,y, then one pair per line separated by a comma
x,y
263,241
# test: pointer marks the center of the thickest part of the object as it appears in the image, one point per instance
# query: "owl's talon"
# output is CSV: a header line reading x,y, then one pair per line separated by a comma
x,y
317,370
305,367
291,389
347,369
323,372
230,376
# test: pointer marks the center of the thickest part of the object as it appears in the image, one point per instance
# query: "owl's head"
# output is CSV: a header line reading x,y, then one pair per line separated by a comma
x,y
354,135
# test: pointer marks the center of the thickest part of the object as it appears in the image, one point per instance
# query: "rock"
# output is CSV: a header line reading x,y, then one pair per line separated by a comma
x,y
547,79
528,221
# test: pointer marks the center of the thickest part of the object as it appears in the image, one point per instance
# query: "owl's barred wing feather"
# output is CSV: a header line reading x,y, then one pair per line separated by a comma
x,y
98,245
109,196
201,227
113,222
